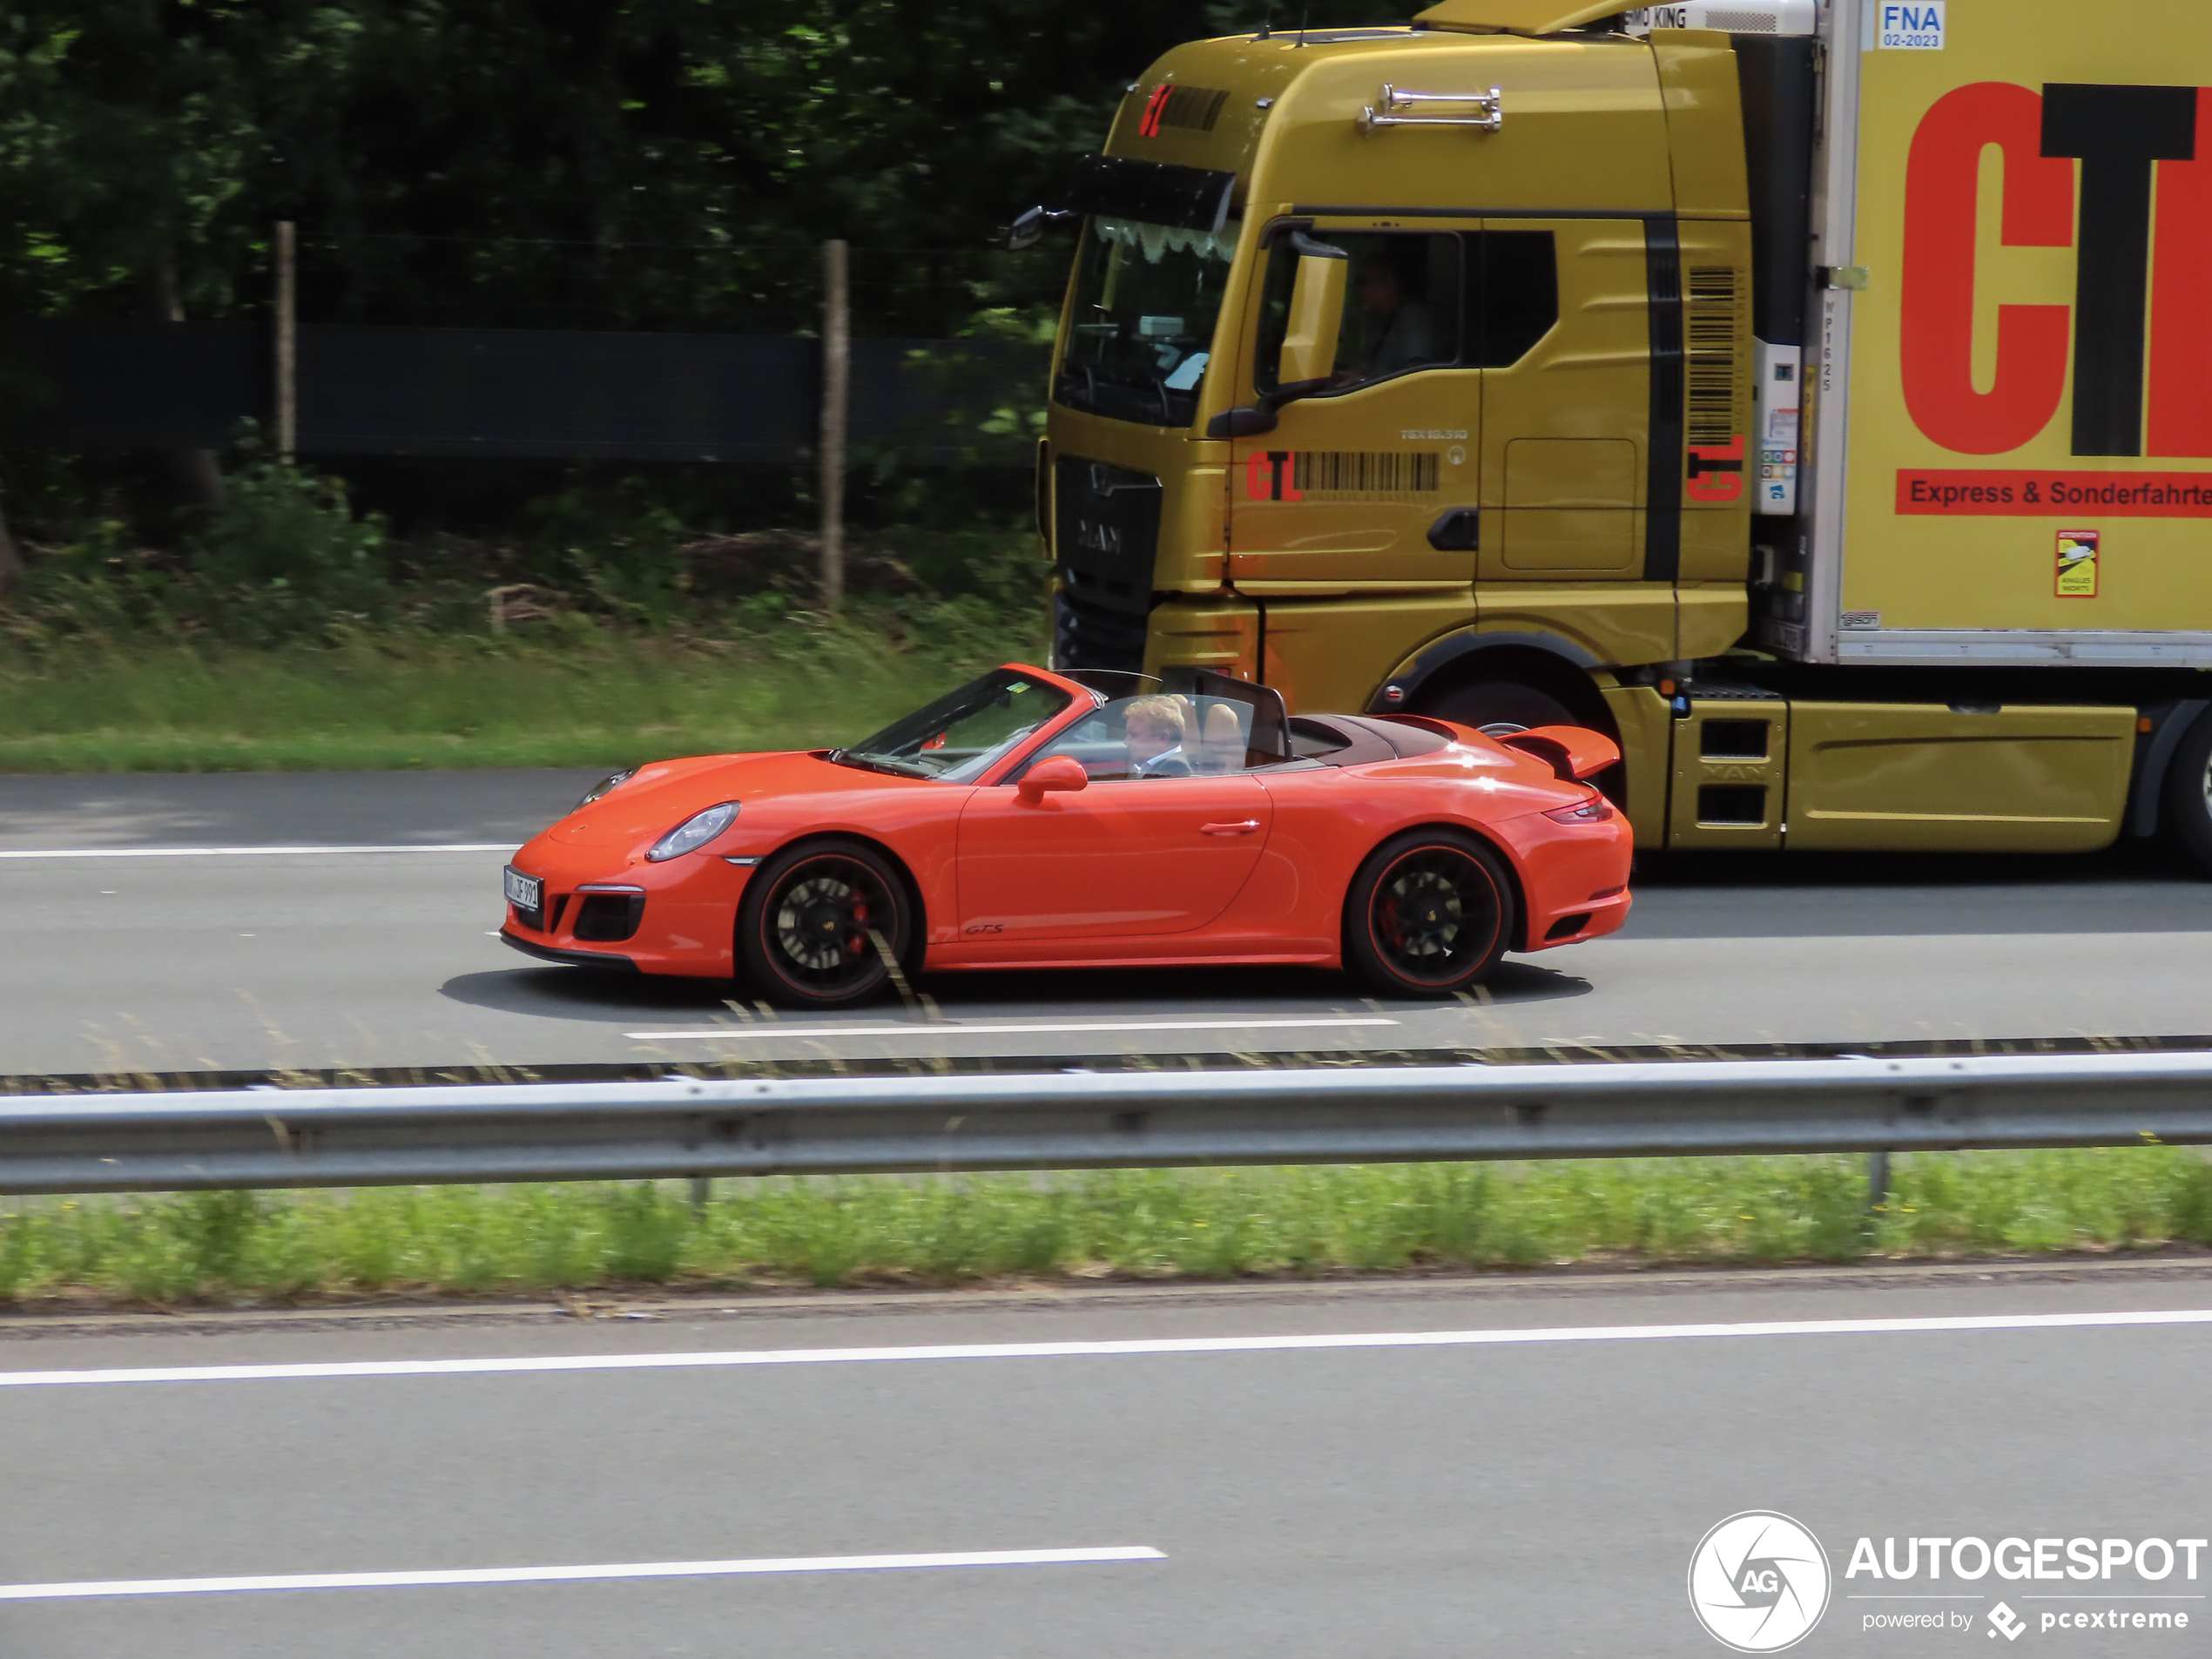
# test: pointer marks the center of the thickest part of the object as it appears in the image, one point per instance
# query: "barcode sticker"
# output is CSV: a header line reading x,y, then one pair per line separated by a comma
x,y
1366,472
1710,318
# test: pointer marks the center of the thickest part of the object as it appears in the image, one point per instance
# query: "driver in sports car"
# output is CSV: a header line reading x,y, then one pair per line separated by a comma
x,y
1152,732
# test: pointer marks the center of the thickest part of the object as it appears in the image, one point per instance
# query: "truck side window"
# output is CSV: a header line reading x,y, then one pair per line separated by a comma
x,y
1422,300
1512,295
1401,306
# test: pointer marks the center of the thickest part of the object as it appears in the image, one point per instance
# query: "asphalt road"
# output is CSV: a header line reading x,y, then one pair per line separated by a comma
x,y
254,959
1533,1497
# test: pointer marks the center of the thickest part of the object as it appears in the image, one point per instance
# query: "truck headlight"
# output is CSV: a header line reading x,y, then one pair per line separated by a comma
x,y
694,832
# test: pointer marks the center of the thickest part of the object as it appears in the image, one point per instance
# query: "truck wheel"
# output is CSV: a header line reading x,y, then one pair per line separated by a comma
x,y
1501,703
1429,914
2188,795
814,924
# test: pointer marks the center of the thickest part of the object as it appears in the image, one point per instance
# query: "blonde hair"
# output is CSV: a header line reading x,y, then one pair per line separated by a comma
x,y
1161,713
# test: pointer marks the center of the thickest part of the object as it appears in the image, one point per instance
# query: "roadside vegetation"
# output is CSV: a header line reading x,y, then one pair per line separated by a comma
x,y
289,634
660,170
292,1248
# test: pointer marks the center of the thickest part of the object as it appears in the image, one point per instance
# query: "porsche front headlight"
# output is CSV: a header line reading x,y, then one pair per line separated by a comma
x,y
694,832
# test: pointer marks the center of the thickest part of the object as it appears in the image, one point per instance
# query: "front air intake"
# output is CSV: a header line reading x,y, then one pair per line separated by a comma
x,y
608,918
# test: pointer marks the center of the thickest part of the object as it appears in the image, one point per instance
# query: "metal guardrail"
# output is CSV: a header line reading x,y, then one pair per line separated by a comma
x,y
266,1138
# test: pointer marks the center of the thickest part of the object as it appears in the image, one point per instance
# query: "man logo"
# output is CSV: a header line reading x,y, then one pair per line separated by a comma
x,y
1759,1582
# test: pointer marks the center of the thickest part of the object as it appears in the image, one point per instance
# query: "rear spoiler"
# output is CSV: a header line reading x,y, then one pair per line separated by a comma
x,y
1573,751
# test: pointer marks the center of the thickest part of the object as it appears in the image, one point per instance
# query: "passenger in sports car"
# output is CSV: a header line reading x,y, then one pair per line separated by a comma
x,y
1152,729
1221,743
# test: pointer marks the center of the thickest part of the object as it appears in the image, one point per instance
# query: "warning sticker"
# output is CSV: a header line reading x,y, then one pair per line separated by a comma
x,y
2077,577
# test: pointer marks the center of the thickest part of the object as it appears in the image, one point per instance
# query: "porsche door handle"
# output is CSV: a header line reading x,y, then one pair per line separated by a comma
x,y
1243,827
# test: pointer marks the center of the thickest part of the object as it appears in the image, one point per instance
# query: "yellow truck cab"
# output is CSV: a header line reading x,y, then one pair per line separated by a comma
x,y
1814,395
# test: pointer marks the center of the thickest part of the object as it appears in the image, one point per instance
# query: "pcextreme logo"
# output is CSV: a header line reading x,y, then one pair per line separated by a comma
x,y
1758,1581
2090,166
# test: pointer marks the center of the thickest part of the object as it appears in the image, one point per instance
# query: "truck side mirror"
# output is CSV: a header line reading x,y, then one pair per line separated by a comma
x,y
1317,317
1308,359
1030,227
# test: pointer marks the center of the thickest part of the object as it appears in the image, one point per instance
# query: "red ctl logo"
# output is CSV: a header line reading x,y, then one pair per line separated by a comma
x,y
2137,147
1270,475
1716,471
1147,124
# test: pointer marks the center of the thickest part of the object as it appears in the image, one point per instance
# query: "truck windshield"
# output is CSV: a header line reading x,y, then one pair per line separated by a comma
x,y
1142,331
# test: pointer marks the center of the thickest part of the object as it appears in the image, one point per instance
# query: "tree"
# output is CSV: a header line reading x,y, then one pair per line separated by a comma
x,y
656,164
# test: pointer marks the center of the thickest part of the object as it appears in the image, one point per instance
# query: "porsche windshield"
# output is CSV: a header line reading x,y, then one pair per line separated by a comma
x,y
1141,331
955,739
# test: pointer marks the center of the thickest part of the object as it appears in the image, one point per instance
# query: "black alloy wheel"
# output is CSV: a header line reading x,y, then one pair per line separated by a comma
x,y
2187,807
820,926
1429,914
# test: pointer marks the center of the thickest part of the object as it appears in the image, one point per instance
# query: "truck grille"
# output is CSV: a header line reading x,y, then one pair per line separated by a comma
x,y
1088,636
1105,533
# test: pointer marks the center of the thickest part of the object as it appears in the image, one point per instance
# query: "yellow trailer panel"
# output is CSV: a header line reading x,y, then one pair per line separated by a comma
x,y
2030,381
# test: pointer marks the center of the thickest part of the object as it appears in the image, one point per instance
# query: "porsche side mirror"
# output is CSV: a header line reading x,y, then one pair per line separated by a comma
x,y
1057,774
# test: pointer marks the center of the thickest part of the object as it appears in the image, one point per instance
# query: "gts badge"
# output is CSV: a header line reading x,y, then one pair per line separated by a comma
x,y
974,927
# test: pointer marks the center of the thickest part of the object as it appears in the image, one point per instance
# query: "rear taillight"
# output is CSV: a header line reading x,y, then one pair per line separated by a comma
x,y
1596,809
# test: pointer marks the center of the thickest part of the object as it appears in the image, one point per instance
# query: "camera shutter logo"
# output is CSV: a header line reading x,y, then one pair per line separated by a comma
x,y
1758,1581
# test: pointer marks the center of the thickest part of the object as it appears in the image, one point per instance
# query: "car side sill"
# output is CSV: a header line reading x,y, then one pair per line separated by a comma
x,y
936,964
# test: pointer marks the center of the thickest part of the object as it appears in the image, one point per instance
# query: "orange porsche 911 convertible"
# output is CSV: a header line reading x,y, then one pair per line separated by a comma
x,y
1087,818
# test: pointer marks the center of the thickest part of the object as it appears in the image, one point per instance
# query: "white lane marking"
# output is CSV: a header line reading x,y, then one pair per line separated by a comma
x,y
570,1575
243,851
954,1029
1104,1350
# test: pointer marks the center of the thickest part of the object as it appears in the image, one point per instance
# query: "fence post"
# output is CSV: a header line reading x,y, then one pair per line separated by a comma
x,y
837,373
287,342
1877,1180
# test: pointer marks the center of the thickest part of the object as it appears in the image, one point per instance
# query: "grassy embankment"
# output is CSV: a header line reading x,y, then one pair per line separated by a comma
x,y
1209,1224
581,698
288,635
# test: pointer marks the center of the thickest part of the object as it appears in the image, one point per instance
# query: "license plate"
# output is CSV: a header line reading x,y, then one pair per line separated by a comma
x,y
523,892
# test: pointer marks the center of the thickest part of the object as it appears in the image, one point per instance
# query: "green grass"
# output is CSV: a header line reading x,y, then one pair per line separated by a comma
x,y
582,696
233,1247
